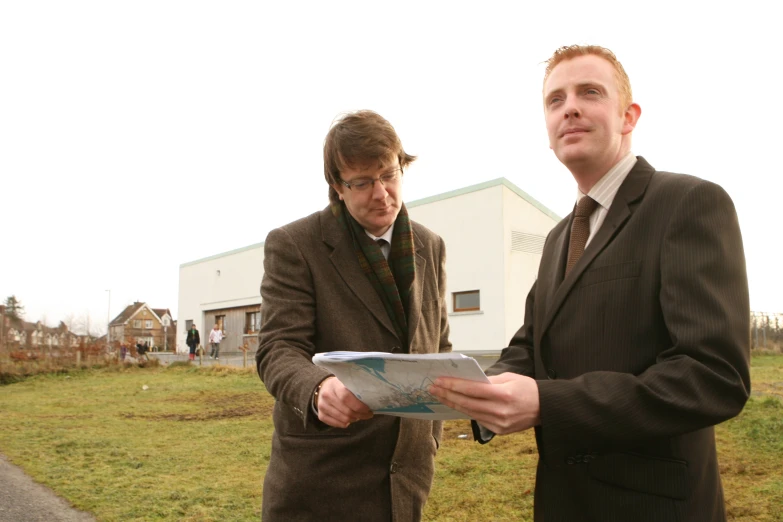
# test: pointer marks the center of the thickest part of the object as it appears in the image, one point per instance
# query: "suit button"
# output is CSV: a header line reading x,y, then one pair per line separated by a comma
x,y
394,467
551,373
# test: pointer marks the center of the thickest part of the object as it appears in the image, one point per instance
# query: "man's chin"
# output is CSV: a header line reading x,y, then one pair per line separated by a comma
x,y
573,157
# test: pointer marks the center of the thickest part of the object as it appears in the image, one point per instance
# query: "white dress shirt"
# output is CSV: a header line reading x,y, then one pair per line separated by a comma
x,y
605,190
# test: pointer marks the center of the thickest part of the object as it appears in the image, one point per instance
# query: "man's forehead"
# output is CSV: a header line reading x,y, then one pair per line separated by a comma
x,y
581,70
373,164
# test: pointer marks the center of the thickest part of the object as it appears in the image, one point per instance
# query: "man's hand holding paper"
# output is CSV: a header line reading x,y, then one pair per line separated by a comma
x,y
337,406
508,403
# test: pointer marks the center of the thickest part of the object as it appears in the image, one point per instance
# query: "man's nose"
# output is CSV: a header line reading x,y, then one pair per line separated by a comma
x,y
571,111
378,190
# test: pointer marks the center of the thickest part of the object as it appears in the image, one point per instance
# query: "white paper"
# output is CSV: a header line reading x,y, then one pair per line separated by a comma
x,y
397,384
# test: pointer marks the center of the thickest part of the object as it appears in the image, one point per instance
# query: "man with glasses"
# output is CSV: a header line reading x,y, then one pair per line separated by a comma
x,y
360,276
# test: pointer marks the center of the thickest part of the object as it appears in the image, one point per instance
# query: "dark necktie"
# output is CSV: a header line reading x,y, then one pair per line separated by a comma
x,y
580,230
382,243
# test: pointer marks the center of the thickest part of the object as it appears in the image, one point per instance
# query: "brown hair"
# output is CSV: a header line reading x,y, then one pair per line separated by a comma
x,y
572,51
357,139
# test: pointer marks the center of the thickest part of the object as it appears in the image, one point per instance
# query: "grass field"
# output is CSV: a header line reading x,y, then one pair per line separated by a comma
x,y
195,443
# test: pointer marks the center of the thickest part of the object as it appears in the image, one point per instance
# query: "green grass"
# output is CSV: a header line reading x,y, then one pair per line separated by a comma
x,y
194,445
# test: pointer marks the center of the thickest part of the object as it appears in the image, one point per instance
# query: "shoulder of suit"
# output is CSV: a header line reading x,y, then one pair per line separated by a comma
x,y
302,226
423,233
672,181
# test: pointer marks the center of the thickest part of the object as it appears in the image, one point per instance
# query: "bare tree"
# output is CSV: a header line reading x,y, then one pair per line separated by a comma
x,y
89,327
71,322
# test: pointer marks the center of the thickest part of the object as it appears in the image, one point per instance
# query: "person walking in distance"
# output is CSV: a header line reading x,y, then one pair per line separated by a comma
x,y
193,340
215,336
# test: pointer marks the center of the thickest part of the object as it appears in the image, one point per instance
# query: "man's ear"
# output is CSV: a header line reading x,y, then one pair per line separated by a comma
x,y
631,117
339,189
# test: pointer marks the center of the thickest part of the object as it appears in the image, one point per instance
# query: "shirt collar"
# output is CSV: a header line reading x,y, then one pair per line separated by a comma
x,y
605,190
387,235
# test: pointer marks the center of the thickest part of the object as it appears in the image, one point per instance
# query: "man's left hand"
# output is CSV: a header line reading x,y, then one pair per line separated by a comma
x,y
507,405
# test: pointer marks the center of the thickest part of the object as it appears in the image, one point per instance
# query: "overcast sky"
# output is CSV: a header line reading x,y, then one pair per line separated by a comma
x,y
137,136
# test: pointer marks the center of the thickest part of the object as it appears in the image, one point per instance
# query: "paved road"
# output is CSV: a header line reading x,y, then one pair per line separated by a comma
x,y
23,500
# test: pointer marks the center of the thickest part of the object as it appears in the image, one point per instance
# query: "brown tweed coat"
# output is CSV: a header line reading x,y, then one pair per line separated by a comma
x,y
317,299
638,353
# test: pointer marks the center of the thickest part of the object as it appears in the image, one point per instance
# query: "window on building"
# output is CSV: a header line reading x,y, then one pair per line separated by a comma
x,y
137,323
466,301
188,324
220,321
252,322
148,324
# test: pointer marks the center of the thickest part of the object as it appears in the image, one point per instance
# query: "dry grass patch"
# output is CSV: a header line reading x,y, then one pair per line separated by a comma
x,y
194,445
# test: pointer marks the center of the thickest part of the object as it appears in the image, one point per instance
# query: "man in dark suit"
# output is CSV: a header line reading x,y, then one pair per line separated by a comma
x,y
361,276
635,341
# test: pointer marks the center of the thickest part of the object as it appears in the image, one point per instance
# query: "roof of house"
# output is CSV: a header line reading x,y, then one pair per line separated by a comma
x,y
39,326
133,309
127,313
160,312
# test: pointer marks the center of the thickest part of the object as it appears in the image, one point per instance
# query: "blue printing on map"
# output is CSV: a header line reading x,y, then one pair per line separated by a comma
x,y
413,408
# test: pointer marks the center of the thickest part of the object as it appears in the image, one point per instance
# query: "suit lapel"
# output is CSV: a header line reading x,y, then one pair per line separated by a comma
x,y
631,190
343,258
414,305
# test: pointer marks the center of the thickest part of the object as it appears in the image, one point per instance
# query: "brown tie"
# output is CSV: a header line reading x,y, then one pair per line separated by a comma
x,y
580,230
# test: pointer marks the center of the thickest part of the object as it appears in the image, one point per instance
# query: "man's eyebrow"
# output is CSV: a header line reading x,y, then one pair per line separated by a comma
x,y
591,83
549,94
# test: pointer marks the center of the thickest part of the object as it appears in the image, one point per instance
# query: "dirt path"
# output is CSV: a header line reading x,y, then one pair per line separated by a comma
x,y
22,499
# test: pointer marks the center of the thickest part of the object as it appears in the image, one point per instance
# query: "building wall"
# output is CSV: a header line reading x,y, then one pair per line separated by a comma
x,y
471,225
220,282
233,328
522,254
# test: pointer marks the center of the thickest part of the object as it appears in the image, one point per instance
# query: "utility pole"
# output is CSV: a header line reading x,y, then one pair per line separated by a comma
x,y
108,324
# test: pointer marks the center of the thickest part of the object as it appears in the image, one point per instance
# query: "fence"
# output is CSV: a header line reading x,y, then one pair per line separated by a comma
x,y
765,331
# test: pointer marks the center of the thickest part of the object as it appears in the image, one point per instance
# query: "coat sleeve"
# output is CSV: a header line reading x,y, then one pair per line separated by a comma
x,y
444,344
702,378
287,334
518,356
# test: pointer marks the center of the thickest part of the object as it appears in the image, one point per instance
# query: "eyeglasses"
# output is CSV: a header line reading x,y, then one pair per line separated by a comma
x,y
363,184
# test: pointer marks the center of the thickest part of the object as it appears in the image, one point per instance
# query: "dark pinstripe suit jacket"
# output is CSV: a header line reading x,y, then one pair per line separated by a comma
x,y
638,353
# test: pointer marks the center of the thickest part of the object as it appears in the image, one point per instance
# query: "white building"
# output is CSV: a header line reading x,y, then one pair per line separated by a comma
x,y
494,234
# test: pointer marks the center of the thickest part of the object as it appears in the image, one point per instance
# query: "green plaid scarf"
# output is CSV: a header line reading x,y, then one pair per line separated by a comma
x,y
392,280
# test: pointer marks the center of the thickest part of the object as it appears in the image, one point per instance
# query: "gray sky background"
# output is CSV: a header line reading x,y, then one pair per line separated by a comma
x,y
136,136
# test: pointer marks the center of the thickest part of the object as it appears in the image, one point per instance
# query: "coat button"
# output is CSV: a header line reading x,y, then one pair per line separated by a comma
x,y
551,373
394,467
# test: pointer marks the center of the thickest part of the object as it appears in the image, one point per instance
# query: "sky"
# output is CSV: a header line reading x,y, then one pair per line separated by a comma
x,y
137,136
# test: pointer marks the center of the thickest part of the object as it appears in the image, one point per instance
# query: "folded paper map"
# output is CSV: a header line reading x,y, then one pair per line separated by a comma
x,y
398,384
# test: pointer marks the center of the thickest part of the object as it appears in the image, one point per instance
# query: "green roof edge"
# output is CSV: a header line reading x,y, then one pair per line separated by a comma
x,y
485,185
223,254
